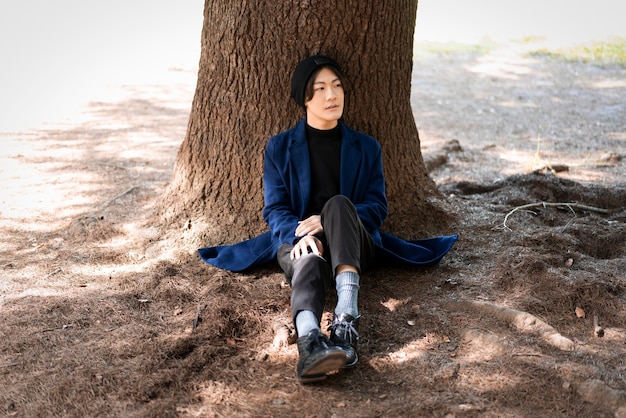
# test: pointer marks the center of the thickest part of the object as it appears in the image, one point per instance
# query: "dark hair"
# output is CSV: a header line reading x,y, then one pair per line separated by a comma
x,y
308,89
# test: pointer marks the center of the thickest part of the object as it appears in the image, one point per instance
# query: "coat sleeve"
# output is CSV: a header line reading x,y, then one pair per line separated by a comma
x,y
278,212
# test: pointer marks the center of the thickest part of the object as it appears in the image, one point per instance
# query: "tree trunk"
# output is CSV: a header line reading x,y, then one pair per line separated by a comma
x,y
249,50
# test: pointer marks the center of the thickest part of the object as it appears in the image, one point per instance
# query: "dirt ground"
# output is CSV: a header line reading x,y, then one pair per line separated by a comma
x,y
524,318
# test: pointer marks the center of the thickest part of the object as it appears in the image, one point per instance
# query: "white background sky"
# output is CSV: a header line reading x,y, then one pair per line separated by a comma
x,y
562,22
58,55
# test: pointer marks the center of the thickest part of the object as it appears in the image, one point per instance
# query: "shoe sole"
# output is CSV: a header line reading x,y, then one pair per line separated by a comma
x,y
318,370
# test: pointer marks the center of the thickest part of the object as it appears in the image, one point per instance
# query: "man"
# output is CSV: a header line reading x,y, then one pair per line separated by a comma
x,y
325,201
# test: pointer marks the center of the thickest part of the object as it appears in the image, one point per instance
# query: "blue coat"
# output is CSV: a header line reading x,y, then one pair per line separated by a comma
x,y
287,184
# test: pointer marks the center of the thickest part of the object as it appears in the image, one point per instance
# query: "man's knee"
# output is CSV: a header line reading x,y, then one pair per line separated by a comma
x,y
338,203
309,265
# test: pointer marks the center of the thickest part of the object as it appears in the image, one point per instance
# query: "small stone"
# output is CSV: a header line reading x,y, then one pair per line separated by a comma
x,y
580,313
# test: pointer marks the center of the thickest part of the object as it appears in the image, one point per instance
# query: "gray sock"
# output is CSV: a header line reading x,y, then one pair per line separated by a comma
x,y
306,321
347,285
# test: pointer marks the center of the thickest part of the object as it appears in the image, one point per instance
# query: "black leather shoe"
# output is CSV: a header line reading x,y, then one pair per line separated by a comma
x,y
318,357
344,334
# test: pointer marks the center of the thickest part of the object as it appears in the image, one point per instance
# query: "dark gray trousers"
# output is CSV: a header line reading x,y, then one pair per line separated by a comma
x,y
345,241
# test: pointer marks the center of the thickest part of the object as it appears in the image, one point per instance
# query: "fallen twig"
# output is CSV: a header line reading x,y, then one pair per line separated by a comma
x,y
528,355
65,326
197,319
54,273
124,193
571,207
4,366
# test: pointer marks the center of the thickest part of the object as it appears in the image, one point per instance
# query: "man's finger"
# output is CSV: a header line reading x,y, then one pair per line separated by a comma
x,y
313,232
314,248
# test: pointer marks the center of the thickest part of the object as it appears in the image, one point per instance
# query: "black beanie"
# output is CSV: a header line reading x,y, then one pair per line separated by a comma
x,y
303,72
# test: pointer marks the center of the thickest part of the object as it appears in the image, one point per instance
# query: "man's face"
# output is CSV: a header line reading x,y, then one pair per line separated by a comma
x,y
326,106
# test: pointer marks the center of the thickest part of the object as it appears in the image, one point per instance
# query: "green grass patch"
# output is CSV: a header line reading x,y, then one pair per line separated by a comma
x,y
531,39
429,48
606,52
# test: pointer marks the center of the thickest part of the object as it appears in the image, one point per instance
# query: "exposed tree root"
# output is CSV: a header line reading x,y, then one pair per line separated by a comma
x,y
571,207
597,392
432,161
523,321
283,334
594,391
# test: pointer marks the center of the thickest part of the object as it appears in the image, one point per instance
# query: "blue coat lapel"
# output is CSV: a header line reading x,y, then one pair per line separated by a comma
x,y
299,158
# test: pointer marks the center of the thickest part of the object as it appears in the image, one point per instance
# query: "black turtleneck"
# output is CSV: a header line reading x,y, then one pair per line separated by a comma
x,y
325,157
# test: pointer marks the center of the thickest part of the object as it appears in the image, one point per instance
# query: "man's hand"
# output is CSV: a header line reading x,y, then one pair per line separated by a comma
x,y
310,226
302,247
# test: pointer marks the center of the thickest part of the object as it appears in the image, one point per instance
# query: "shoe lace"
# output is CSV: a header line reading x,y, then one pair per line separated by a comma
x,y
345,329
317,340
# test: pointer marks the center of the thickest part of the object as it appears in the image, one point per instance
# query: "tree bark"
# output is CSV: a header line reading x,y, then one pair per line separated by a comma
x,y
249,50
